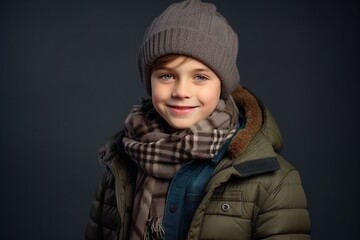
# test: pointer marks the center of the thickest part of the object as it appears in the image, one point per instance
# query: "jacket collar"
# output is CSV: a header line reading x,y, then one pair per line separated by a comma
x,y
254,148
258,121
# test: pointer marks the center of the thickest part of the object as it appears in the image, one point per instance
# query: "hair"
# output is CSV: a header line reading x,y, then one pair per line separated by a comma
x,y
161,61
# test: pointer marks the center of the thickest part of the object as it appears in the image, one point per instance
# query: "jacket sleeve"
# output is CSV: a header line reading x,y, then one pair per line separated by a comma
x,y
104,217
284,214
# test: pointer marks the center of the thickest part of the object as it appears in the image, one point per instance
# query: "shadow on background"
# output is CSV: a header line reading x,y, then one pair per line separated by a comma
x,y
69,78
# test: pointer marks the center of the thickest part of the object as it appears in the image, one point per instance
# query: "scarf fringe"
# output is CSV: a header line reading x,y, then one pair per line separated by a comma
x,y
154,229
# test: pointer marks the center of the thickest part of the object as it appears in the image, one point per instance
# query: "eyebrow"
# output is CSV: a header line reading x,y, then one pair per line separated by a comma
x,y
193,70
202,70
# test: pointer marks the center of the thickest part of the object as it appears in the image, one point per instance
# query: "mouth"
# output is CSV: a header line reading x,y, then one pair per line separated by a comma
x,y
181,109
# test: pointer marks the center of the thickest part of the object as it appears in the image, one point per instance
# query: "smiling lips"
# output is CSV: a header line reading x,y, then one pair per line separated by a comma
x,y
181,110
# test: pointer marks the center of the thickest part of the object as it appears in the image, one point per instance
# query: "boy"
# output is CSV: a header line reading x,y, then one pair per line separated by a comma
x,y
199,159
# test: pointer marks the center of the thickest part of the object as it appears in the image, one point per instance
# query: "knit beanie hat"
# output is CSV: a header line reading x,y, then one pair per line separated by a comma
x,y
195,29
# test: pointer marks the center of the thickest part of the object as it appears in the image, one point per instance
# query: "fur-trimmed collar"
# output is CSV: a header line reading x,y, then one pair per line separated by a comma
x,y
253,115
258,118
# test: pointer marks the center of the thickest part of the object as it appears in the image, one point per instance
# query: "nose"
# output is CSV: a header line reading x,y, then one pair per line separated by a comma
x,y
182,89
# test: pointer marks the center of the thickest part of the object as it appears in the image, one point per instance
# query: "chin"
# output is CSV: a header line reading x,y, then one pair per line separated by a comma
x,y
177,127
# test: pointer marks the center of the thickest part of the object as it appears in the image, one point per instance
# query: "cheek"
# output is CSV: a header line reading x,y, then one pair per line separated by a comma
x,y
210,93
158,92
209,100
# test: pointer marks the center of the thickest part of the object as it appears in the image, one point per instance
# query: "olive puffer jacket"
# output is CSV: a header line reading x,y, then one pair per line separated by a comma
x,y
254,193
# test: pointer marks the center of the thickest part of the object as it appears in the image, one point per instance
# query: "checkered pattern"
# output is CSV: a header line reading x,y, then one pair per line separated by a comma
x,y
159,156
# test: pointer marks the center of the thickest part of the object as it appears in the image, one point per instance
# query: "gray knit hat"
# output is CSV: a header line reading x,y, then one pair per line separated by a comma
x,y
195,29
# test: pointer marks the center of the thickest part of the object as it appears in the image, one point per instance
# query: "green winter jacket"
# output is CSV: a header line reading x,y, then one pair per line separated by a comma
x,y
254,193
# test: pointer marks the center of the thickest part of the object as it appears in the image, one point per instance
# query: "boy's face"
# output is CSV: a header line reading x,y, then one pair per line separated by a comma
x,y
184,91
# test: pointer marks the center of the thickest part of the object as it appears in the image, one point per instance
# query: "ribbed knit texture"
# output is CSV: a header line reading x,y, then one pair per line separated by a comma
x,y
195,29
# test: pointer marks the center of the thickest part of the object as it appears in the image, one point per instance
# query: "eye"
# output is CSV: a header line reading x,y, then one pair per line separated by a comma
x,y
201,77
166,76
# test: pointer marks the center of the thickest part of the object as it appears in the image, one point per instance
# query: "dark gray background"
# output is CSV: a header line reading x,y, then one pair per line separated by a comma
x,y
69,77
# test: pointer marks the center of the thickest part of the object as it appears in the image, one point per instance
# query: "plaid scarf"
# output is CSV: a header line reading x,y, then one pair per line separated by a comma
x,y
160,155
